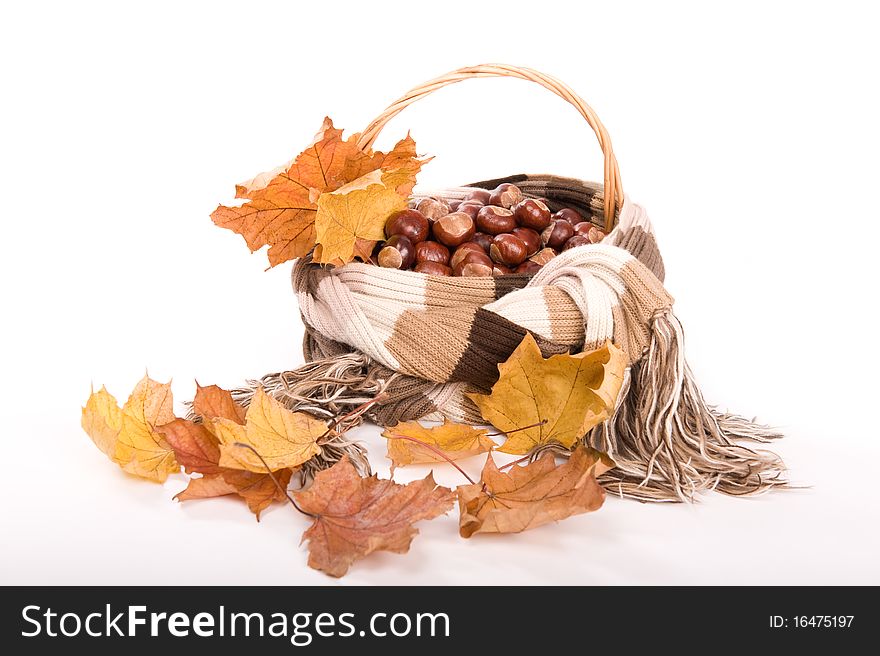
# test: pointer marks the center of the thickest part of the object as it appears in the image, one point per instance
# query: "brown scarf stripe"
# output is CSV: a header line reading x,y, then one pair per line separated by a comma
x,y
491,340
506,284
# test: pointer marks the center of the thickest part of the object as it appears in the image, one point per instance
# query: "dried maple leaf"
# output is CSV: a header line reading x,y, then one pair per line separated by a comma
x,y
454,441
195,447
355,516
538,493
128,435
283,438
354,213
281,206
198,450
401,166
258,490
212,401
557,399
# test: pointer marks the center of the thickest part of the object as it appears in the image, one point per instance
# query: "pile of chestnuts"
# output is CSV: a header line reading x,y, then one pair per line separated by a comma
x,y
488,233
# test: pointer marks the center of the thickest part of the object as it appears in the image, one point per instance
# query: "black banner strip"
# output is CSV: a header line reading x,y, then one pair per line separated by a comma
x,y
427,620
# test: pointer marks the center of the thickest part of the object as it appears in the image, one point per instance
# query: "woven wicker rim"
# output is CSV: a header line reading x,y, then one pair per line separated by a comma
x,y
613,189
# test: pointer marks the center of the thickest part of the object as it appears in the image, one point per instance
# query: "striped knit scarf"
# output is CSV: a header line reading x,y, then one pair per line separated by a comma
x,y
427,341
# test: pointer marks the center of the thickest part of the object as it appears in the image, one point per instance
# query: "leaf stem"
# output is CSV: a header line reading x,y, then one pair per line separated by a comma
x,y
363,407
435,451
515,462
272,476
514,430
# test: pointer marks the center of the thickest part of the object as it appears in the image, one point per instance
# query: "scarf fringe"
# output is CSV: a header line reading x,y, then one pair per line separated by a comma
x,y
669,444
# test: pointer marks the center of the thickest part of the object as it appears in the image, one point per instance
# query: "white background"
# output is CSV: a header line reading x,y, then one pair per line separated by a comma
x,y
749,134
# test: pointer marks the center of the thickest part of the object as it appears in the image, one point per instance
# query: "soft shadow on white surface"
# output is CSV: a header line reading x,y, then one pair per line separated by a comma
x,y
78,519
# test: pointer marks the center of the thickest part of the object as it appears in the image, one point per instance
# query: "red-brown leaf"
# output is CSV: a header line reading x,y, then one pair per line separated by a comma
x,y
355,516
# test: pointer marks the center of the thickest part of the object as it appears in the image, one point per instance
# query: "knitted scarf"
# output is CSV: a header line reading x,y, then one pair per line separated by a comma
x,y
426,341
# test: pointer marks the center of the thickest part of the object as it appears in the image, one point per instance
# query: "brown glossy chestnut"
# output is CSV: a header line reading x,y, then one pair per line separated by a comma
x,y
433,268
495,220
575,241
530,238
484,240
479,195
532,213
583,228
453,205
501,270
474,263
433,208
412,224
454,229
557,233
432,251
470,208
528,267
463,250
397,253
506,195
474,269
571,215
508,249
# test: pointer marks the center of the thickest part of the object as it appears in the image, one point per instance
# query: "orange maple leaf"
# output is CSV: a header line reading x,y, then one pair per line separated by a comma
x,y
526,497
281,206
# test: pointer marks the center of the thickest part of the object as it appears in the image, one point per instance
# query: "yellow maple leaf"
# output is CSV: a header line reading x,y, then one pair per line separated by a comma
x,y
128,435
283,438
355,213
557,399
454,441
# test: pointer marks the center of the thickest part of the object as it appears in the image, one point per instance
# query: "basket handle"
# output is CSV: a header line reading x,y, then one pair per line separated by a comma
x,y
613,188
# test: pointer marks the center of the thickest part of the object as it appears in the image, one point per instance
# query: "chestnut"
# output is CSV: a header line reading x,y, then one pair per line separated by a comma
x,y
433,208
530,238
557,233
484,240
543,256
508,249
432,251
397,253
532,213
454,229
412,224
528,267
474,263
495,220
475,268
470,208
575,241
595,235
583,228
479,195
500,270
506,195
463,250
568,214
453,205
433,268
